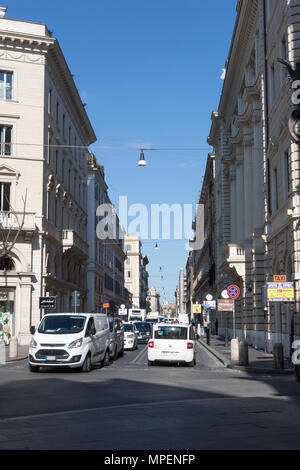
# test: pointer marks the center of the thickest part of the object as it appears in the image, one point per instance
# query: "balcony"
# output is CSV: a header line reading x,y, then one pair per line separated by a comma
x,y
236,257
72,241
15,221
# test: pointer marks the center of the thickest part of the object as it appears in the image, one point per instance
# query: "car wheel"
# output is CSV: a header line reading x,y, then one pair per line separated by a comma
x,y
105,361
115,356
192,363
150,363
122,352
87,364
34,368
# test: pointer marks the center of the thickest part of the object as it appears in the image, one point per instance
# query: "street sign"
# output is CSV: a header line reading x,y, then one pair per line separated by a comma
x,y
209,305
106,305
196,308
224,294
122,311
280,292
233,292
225,305
209,297
75,298
48,302
280,278
123,306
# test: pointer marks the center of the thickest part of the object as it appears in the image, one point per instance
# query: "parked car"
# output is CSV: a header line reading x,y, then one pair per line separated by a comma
x,y
130,336
70,340
144,330
172,343
116,329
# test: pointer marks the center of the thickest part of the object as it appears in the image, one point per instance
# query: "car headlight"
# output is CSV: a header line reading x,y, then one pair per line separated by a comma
x,y
76,344
33,343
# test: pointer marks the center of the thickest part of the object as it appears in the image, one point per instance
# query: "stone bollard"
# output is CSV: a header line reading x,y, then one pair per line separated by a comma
x,y
234,347
13,347
243,354
2,353
278,356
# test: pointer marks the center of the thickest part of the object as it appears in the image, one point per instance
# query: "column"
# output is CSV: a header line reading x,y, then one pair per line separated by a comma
x,y
24,310
248,185
240,197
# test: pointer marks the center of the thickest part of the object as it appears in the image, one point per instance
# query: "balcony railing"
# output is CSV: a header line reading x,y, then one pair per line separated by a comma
x,y
70,239
17,221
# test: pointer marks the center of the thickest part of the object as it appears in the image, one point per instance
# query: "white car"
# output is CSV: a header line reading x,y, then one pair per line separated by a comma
x,y
172,343
130,336
70,340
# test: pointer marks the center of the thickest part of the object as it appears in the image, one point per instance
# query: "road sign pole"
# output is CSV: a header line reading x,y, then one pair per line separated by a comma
x,y
233,314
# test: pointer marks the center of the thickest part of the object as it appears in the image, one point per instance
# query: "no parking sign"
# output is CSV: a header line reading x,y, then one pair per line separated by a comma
x,y
233,292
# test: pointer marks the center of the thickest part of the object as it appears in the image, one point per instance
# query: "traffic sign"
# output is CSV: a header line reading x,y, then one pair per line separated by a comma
x,y
48,302
225,305
106,305
279,278
75,298
196,308
233,292
224,294
280,292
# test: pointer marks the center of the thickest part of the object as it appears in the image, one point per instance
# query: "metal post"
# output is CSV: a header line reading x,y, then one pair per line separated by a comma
x,y
226,330
233,313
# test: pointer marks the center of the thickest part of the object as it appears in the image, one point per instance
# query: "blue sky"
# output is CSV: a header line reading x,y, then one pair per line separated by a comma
x,y
149,71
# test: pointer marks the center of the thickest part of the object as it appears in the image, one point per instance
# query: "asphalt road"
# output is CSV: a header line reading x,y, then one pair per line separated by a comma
x,y
130,406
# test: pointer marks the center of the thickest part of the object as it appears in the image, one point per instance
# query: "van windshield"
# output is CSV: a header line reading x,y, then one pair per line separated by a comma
x,y
171,332
62,324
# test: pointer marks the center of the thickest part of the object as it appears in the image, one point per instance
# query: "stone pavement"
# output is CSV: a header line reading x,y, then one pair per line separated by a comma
x,y
259,361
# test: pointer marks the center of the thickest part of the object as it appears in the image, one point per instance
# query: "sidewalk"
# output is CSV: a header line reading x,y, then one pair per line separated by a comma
x,y
260,362
22,354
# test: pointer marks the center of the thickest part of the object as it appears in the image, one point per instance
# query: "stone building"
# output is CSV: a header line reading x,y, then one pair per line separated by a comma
x,y
105,269
44,134
136,274
257,206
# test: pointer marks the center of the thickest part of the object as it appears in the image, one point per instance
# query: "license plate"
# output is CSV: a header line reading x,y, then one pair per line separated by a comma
x,y
50,358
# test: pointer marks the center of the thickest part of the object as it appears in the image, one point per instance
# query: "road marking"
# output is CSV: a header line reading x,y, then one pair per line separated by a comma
x,y
193,401
139,355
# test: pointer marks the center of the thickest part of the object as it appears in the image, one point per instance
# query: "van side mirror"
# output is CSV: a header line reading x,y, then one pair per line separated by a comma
x,y
32,330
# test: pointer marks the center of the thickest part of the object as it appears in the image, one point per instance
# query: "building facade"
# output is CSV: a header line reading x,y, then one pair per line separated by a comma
x,y
153,299
257,172
136,275
105,268
44,132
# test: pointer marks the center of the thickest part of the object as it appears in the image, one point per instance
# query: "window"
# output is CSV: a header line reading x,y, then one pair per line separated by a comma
x,y
6,264
128,248
5,85
128,274
63,124
5,140
5,197
128,261
270,6
275,193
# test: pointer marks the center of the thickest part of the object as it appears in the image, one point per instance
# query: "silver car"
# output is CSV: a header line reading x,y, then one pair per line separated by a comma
x,y
116,346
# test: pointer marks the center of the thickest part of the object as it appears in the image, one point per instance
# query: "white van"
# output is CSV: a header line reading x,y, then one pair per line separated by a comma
x,y
70,340
172,343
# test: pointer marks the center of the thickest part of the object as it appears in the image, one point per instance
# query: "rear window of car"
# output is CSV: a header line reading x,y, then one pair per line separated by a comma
x,y
143,326
171,332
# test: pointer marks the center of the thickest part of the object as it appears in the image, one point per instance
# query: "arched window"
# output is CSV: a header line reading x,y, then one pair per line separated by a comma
x,y
6,264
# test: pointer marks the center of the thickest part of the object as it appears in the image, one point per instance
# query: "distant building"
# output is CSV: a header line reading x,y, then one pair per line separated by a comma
x,y
153,298
136,275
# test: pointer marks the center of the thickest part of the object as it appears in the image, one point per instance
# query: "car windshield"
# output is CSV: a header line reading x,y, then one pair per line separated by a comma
x,y
62,324
171,332
143,326
128,327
